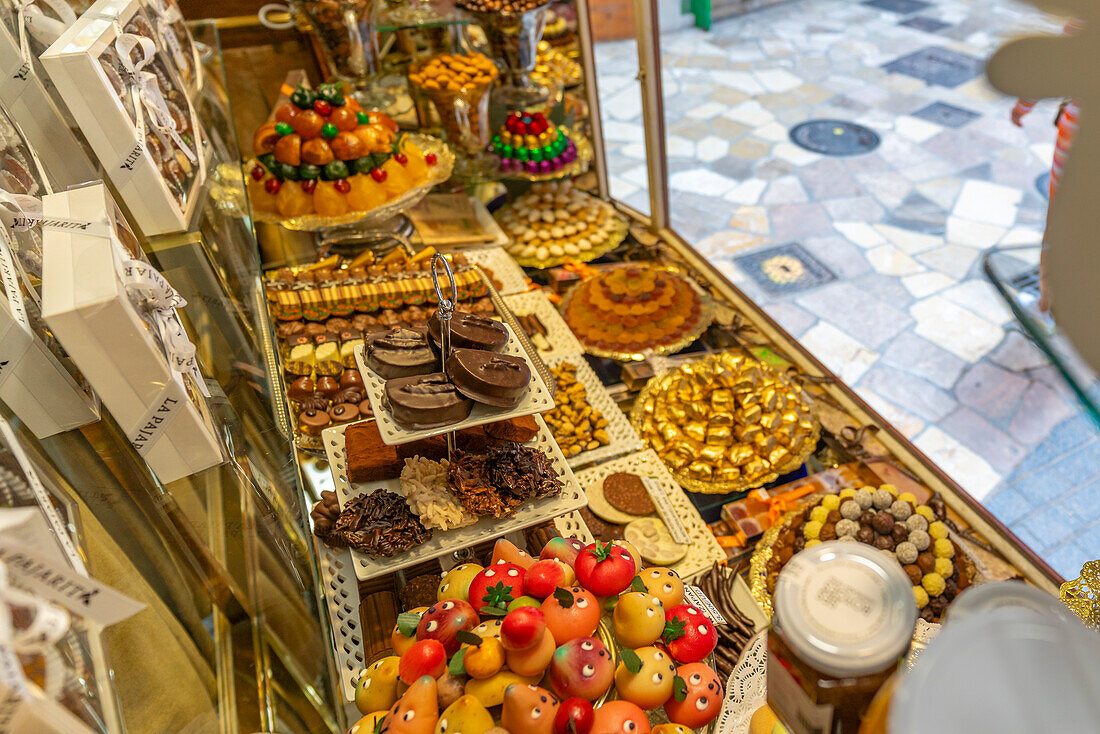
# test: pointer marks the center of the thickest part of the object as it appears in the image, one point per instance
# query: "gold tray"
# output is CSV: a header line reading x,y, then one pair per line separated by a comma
x,y
437,174
706,315
758,564
741,485
614,240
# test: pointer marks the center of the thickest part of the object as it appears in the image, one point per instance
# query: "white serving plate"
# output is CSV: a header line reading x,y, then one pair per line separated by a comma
x,y
624,438
506,270
538,399
443,542
561,338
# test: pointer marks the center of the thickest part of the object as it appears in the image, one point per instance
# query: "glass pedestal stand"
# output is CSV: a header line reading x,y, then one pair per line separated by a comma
x,y
347,31
513,43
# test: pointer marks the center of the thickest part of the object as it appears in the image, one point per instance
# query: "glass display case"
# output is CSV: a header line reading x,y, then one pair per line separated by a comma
x,y
250,622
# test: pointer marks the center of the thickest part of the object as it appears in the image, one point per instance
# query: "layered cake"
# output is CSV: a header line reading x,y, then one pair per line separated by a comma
x,y
635,308
530,143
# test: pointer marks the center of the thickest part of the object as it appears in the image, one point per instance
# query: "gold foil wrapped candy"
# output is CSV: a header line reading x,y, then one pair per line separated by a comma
x,y
725,423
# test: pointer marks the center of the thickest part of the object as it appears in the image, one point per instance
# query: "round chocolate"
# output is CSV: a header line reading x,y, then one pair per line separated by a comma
x,y
866,517
400,353
834,517
883,523
471,331
799,543
314,402
425,401
352,395
950,589
900,533
365,409
288,329
927,562
939,605
312,422
865,534
344,413
300,389
884,542
914,573
927,614
828,531
499,380
327,386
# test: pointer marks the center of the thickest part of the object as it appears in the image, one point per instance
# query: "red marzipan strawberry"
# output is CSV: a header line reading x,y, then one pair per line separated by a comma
x,y
604,569
688,634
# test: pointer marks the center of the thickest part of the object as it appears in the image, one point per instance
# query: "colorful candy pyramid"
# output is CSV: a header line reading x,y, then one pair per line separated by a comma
x,y
529,142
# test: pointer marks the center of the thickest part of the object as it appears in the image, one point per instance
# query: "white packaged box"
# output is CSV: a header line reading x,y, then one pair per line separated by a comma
x,y
33,382
133,108
27,95
176,37
115,316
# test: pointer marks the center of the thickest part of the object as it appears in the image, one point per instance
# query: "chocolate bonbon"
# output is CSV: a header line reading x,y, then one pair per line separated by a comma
x,y
401,352
425,401
494,379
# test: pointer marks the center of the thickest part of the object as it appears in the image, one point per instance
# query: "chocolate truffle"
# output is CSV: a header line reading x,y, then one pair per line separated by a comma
x,y
900,533
798,543
914,573
833,517
400,353
850,510
471,331
344,413
494,379
927,562
426,401
327,387
351,378
938,605
883,523
828,531
352,395
884,542
865,535
366,410
312,422
867,517
300,389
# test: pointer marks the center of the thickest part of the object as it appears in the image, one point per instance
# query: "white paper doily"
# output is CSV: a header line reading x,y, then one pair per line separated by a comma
x,y
747,687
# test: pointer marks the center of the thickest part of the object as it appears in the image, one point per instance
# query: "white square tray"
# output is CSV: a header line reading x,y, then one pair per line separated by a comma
x,y
562,341
443,542
624,438
537,399
703,550
507,271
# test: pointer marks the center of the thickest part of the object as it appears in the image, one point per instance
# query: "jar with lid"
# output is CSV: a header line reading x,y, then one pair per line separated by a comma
x,y
844,617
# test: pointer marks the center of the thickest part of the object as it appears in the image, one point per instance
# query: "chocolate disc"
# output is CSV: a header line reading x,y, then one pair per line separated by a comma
x,y
471,331
495,379
625,491
425,401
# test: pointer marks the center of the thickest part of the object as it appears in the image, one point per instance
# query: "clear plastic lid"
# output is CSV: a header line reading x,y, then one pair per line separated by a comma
x,y
1010,670
845,608
984,598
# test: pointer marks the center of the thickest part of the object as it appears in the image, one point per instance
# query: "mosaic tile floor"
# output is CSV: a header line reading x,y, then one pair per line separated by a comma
x,y
873,260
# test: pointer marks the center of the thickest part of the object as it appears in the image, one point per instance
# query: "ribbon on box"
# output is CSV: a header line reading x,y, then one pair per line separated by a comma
x,y
146,91
168,14
30,18
779,504
49,623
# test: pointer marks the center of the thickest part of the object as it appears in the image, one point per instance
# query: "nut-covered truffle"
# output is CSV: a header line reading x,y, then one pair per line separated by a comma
x,y
933,583
938,530
863,498
943,548
850,510
920,539
846,528
916,522
906,553
944,567
882,499
900,509
920,596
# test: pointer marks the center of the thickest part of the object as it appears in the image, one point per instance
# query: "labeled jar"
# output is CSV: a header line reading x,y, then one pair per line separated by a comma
x,y
844,617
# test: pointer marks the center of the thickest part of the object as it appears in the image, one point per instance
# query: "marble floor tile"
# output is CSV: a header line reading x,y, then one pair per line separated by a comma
x,y
952,260
785,190
860,233
889,260
918,356
967,468
925,284
746,192
973,234
955,328
701,181
992,391
844,356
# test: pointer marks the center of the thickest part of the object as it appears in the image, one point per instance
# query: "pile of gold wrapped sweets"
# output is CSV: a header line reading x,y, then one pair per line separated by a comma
x,y
725,420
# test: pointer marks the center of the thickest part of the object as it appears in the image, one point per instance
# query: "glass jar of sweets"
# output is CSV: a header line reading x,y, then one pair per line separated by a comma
x,y
844,617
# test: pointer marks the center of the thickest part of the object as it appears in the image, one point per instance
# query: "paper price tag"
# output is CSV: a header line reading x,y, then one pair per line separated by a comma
x,y
665,509
696,596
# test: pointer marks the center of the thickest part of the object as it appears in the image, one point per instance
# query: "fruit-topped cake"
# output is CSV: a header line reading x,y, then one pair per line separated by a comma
x,y
634,308
323,154
529,142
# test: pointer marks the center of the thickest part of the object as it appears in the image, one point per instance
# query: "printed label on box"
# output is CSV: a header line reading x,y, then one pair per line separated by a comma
x,y
151,428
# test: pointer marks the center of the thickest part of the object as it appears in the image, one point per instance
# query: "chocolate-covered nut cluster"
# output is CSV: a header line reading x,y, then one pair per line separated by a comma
x,y
915,534
501,6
